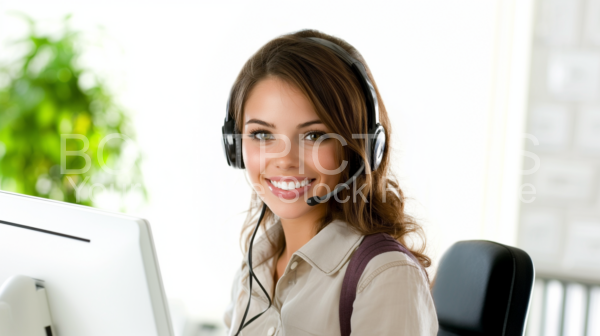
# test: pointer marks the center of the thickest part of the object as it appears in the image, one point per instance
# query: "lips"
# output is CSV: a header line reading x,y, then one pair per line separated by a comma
x,y
289,187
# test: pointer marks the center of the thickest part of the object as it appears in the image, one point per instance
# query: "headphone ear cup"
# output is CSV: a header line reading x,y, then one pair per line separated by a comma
x,y
378,147
238,152
232,145
224,145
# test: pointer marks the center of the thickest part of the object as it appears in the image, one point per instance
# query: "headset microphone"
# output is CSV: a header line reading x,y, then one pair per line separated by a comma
x,y
320,199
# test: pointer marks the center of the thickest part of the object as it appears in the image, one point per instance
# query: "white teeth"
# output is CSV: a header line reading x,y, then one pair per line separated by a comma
x,y
289,185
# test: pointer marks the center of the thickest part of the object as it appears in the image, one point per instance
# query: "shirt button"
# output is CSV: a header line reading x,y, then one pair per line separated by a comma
x,y
271,331
294,264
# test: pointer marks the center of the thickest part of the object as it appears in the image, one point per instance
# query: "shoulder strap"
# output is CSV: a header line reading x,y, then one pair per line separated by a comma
x,y
370,247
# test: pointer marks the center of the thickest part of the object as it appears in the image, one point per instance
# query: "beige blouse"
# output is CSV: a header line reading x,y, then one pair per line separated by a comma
x,y
392,298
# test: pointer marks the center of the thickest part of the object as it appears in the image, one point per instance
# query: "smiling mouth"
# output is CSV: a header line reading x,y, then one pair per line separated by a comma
x,y
291,185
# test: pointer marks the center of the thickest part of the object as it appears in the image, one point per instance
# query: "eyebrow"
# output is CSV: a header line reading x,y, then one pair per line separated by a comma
x,y
260,122
306,124
264,123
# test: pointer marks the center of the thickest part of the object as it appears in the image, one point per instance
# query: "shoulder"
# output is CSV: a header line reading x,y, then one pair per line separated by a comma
x,y
396,266
393,298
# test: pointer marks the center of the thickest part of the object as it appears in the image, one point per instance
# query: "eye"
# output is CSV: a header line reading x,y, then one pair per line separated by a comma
x,y
262,135
314,135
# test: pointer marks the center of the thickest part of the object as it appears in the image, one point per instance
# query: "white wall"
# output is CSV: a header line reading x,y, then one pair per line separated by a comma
x,y
437,63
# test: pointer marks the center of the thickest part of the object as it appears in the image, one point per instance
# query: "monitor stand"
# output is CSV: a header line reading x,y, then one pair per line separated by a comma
x,y
24,309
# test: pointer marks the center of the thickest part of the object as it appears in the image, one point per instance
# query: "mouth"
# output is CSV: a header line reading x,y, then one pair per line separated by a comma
x,y
290,184
289,187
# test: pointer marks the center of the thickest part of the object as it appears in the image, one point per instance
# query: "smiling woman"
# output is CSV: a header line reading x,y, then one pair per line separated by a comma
x,y
302,111
276,113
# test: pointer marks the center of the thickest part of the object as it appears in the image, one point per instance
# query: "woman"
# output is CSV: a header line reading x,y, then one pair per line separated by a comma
x,y
303,115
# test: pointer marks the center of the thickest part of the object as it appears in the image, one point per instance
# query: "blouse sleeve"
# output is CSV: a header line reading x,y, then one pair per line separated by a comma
x,y
394,300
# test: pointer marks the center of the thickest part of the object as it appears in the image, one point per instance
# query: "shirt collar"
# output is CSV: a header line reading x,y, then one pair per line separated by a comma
x,y
327,251
330,249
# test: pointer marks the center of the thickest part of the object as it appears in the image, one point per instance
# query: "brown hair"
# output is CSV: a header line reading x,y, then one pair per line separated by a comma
x,y
336,95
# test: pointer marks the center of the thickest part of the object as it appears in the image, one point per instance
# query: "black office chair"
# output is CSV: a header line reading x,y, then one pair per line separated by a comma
x,y
483,288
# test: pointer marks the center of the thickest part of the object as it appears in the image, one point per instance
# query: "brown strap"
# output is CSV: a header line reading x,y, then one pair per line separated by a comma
x,y
370,247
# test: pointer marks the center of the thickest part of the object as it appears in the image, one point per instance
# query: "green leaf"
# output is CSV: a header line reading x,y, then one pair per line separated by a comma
x,y
42,108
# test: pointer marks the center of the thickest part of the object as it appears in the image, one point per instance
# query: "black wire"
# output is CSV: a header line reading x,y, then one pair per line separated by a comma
x,y
252,275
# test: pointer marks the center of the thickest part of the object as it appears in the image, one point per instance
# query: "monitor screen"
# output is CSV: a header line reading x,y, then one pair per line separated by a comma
x,y
99,269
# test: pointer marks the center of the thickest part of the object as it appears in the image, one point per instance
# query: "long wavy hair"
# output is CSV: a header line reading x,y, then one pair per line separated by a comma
x,y
337,98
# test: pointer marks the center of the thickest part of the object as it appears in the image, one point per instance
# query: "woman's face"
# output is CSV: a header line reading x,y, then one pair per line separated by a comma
x,y
285,153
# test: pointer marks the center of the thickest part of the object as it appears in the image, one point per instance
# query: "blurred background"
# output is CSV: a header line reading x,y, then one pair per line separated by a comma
x,y
495,107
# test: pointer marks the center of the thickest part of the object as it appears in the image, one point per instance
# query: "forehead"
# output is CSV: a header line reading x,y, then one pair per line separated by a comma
x,y
278,102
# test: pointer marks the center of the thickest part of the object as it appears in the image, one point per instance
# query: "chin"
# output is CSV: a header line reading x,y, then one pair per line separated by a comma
x,y
287,210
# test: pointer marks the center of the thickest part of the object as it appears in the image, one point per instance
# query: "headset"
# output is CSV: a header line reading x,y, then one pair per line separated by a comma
x,y
375,145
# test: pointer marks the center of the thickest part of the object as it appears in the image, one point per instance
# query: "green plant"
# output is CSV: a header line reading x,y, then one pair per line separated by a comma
x,y
47,111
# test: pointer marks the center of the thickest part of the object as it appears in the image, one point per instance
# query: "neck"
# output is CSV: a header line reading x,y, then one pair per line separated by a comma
x,y
298,231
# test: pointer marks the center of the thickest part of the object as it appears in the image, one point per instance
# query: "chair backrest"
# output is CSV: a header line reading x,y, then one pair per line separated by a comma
x,y
483,288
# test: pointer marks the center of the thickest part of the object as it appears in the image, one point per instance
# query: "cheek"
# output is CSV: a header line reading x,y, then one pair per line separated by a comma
x,y
327,157
251,156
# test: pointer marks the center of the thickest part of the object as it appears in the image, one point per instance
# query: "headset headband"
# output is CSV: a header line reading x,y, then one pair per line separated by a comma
x,y
359,71
361,74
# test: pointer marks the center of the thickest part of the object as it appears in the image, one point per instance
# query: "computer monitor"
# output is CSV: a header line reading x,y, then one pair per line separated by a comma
x,y
99,269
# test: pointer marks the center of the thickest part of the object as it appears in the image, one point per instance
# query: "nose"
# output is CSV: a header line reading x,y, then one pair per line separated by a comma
x,y
289,161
